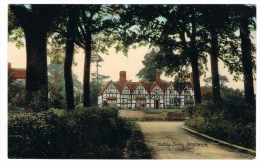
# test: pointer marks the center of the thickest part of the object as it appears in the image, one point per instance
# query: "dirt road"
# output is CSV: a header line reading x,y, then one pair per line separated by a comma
x,y
169,141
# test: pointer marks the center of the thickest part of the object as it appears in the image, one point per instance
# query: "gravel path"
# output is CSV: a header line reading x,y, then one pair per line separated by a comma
x,y
169,141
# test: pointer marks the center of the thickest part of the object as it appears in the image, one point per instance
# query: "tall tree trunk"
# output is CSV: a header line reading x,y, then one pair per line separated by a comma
x,y
247,59
68,63
193,57
214,65
36,23
86,78
196,78
36,70
194,61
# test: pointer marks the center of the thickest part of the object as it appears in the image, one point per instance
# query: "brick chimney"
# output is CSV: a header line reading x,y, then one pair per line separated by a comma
x,y
158,77
122,77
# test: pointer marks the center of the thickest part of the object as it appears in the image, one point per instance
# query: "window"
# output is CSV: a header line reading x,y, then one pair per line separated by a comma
x,y
140,91
187,92
111,102
171,101
140,103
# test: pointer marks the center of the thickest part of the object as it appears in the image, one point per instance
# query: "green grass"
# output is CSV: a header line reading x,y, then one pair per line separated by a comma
x,y
166,111
162,111
248,150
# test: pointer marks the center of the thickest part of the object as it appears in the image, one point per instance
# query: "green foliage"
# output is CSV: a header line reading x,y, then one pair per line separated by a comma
x,y
15,32
85,133
166,111
14,110
56,100
17,36
95,85
34,135
227,119
162,111
16,92
181,82
222,80
150,111
150,69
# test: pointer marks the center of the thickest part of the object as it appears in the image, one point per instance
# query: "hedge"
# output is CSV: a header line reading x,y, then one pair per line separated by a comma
x,y
85,133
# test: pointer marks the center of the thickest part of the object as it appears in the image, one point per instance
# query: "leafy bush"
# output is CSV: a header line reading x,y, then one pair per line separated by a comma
x,y
227,119
84,133
150,111
14,110
16,92
34,135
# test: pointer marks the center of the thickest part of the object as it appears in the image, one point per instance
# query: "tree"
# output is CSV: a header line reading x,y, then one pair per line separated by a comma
x,y
238,54
100,27
35,21
246,15
56,89
222,79
96,84
150,69
218,22
181,43
78,89
180,83
70,39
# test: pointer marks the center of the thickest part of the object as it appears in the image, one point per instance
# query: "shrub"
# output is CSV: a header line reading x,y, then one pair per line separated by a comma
x,y
14,110
188,110
150,111
227,119
16,92
34,135
84,133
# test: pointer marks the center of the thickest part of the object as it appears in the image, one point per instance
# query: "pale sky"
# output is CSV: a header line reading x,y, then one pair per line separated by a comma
x,y
113,63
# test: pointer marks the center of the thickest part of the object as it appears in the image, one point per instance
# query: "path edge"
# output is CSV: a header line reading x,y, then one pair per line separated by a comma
x,y
227,144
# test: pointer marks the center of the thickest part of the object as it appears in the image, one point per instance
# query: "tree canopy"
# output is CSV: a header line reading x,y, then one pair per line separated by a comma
x,y
185,35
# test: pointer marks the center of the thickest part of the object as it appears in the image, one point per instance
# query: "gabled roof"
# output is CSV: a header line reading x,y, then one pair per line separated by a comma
x,y
154,84
131,86
119,86
165,85
147,85
104,88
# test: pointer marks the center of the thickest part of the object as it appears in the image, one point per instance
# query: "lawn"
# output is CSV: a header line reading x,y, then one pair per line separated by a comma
x,y
162,111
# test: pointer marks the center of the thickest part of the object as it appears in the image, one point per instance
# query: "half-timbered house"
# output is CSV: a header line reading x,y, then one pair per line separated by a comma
x,y
144,94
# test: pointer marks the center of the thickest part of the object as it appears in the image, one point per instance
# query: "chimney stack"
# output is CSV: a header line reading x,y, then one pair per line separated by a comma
x,y
158,77
122,77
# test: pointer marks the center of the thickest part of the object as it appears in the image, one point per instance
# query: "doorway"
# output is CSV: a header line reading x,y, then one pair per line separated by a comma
x,y
156,104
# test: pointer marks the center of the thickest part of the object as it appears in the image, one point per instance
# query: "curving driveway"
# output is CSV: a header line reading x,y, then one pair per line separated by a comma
x,y
169,141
